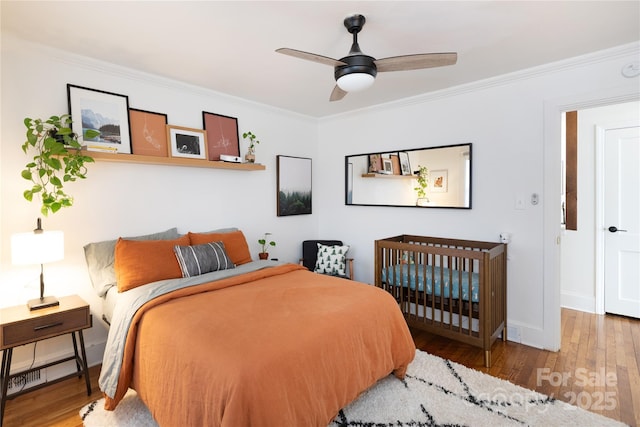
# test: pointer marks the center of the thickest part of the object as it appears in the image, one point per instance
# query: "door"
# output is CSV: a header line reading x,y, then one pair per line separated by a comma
x,y
622,221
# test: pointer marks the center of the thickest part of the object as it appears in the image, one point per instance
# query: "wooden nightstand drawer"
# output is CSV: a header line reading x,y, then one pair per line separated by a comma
x,y
20,326
45,327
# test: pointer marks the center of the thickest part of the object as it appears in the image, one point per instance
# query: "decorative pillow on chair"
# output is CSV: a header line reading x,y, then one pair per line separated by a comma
x,y
201,259
332,260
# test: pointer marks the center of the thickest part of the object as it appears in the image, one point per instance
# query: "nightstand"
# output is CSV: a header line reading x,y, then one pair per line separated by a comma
x,y
19,326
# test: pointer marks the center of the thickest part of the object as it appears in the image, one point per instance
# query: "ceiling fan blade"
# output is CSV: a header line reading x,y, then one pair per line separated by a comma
x,y
337,94
310,56
416,62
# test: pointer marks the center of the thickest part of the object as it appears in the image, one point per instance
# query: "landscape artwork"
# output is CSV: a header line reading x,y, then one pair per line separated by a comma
x,y
294,185
105,112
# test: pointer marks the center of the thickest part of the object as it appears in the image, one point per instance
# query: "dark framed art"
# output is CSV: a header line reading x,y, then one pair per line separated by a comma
x,y
222,135
148,133
187,143
405,166
105,112
294,185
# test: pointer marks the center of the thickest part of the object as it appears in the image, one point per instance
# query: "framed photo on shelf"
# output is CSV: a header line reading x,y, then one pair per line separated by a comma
x,y
148,133
387,166
222,135
405,166
375,163
439,180
104,112
294,185
187,143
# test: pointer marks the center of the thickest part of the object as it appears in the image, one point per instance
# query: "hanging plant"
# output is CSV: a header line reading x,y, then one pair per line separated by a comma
x,y
58,159
423,181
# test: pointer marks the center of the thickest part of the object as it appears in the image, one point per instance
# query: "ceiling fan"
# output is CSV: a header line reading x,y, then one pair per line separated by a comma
x,y
357,71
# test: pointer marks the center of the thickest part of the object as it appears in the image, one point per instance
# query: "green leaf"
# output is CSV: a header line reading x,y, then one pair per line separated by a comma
x,y
44,210
56,181
26,174
91,133
28,195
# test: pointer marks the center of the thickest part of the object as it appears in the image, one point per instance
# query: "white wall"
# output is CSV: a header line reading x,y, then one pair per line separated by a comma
x,y
120,199
505,120
578,253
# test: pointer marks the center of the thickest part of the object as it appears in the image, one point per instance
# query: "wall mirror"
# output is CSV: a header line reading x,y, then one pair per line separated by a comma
x,y
393,178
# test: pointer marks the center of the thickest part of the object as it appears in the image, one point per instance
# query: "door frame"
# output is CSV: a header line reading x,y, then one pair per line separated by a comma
x,y
553,109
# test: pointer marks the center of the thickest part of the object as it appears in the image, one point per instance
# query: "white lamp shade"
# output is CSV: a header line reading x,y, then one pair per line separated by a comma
x,y
355,81
37,248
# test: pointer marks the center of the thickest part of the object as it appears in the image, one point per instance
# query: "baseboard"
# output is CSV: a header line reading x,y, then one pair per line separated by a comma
x,y
525,334
578,302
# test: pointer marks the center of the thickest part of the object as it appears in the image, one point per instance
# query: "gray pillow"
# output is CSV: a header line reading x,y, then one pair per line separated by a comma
x,y
100,257
200,259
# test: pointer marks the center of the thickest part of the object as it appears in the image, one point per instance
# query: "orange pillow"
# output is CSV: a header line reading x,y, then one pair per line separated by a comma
x,y
138,262
235,244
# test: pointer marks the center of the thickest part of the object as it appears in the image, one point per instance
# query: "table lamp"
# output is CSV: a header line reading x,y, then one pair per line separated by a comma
x,y
38,247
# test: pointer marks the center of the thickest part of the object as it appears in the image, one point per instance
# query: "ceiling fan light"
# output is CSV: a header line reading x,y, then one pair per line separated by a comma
x,y
355,82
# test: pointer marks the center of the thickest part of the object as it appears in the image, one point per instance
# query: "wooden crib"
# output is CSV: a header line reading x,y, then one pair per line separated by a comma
x,y
453,288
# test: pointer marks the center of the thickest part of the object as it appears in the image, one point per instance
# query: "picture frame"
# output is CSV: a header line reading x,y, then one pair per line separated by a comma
x,y
148,133
103,111
387,166
222,135
188,143
405,166
375,163
439,180
293,185
395,162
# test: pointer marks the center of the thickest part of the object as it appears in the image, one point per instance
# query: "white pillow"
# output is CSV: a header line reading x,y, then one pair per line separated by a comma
x,y
332,260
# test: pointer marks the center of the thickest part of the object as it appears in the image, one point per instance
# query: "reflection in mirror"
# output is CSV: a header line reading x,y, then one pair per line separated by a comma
x,y
424,177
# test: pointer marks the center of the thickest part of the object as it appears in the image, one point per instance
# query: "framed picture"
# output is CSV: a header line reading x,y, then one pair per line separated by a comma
x,y
375,163
104,112
294,185
439,180
222,135
387,166
405,167
148,133
187,142
395,163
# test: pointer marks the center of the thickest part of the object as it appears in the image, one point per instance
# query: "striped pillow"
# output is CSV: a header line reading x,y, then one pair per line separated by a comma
x,y
201,259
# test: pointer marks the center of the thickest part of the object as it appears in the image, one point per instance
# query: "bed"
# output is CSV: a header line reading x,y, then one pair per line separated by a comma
x,y
261,343
453,288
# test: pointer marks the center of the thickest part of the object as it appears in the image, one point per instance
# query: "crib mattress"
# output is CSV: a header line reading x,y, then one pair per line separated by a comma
x,y
434,280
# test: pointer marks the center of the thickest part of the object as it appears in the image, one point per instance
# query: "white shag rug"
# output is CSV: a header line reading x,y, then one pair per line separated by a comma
x,y
435,392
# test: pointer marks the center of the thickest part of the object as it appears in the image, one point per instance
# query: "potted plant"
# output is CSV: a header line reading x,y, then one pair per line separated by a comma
x,y
264,242
250,157
423,181
57,159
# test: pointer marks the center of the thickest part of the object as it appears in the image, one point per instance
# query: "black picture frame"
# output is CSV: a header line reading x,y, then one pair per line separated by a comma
x,y
106,112
222,135
293,185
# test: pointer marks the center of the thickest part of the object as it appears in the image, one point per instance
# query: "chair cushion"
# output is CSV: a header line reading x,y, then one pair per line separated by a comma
x,y
332,260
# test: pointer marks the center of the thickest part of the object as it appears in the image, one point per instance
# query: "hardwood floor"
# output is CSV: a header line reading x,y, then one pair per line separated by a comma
x,y
598,368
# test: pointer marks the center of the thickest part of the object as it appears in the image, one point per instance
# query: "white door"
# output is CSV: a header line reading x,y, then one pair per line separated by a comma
x,y
622,221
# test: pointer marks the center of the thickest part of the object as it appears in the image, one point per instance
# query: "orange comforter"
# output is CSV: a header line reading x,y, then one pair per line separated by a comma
x,y
276,347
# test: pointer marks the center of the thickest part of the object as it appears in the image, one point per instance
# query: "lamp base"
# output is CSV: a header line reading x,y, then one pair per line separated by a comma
x,y
44,302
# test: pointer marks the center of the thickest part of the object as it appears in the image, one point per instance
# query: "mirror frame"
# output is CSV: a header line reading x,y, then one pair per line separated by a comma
x,y
349,174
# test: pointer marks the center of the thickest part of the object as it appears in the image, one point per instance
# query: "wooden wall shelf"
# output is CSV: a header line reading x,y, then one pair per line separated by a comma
x,y
385,176
173,161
